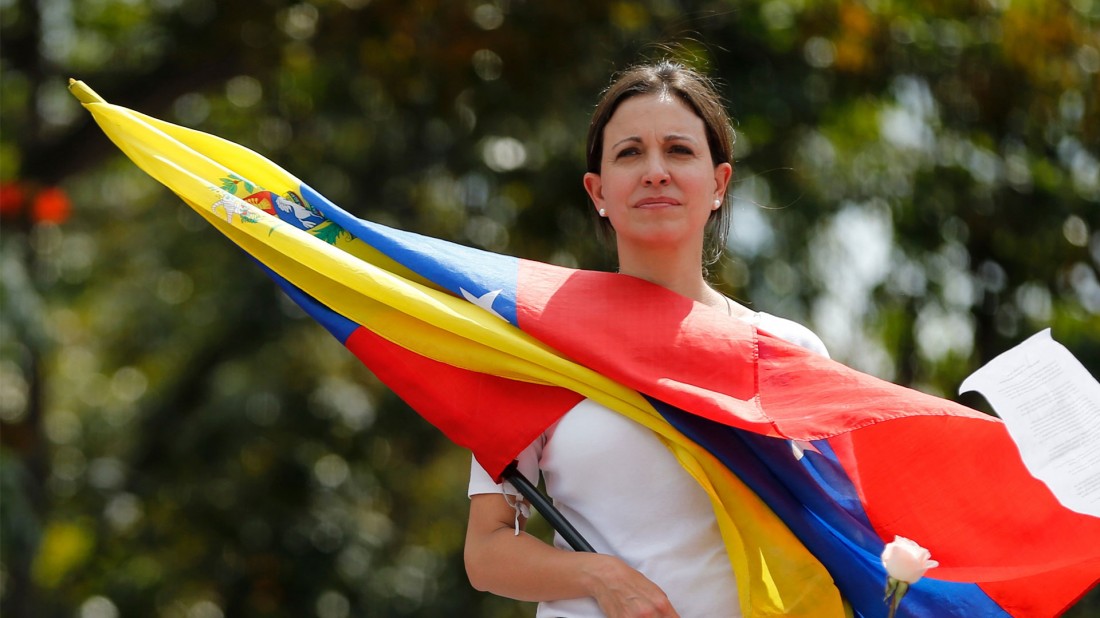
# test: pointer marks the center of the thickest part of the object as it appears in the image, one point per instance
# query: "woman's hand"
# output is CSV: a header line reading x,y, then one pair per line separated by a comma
x,y
526,568
623,592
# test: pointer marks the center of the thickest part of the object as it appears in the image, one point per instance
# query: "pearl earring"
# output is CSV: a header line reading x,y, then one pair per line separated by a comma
x,y
717,204
603,212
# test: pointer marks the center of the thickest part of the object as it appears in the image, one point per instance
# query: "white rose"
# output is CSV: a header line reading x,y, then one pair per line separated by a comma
x,y
906,561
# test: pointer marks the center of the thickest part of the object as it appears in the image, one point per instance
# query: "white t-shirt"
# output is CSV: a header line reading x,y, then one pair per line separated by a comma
x,y
627,495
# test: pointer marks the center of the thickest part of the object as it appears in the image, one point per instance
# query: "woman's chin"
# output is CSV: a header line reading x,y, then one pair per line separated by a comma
x,y
659,240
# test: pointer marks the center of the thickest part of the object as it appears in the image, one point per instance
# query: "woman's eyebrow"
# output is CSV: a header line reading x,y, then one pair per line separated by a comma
x,y
632,139
671,137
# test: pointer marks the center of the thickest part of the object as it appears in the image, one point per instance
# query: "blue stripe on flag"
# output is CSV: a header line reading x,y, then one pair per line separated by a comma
x,y
829,476
488,277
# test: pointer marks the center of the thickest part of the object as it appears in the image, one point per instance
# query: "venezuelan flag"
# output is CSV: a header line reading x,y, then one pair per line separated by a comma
x,y
810,465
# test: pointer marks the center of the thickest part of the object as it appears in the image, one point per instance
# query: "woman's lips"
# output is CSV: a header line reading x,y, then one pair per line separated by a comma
x,y
656,202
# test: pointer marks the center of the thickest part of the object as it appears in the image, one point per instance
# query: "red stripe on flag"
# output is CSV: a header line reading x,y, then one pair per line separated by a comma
x,y
1057,591
811,397
635,333
958,487
494,417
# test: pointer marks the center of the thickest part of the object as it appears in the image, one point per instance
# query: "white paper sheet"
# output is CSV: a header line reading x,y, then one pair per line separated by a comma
x,y
1051,407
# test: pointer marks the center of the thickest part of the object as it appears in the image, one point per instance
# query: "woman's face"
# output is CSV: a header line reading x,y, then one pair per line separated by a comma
x,y
657,182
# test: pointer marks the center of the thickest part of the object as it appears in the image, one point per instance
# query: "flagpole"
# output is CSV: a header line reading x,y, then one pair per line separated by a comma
x,y
546,509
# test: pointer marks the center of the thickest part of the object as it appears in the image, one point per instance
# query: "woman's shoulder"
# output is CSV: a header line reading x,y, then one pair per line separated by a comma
x,y
791,331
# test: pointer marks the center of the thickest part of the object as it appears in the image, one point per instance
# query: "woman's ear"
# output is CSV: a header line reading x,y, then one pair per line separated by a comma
x,y
723,172
593,184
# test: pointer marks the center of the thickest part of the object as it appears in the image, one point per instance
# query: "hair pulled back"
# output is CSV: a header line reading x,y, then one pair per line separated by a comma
x,y
670,78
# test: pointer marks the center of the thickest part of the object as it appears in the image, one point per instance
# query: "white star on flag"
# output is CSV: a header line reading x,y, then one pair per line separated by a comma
x,y
485,301
800,447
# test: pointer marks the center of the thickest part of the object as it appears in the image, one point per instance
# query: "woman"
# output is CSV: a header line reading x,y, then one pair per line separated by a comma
x,y
659,165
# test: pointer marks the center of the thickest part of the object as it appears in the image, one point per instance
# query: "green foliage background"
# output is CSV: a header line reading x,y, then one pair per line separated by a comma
x,y
918,181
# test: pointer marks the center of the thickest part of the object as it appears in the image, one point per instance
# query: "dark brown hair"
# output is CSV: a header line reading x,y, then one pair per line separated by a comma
x,y
695,90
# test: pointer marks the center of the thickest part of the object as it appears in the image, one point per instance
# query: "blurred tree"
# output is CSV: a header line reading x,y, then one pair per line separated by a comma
x,y
918,181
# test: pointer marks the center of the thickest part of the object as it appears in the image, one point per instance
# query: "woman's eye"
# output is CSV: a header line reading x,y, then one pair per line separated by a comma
x,y
679,149
628,152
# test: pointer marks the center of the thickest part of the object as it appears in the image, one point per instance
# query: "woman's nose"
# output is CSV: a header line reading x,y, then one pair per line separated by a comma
x,y
656,174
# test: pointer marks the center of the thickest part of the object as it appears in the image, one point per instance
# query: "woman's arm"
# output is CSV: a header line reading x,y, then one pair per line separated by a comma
x,y
526,568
